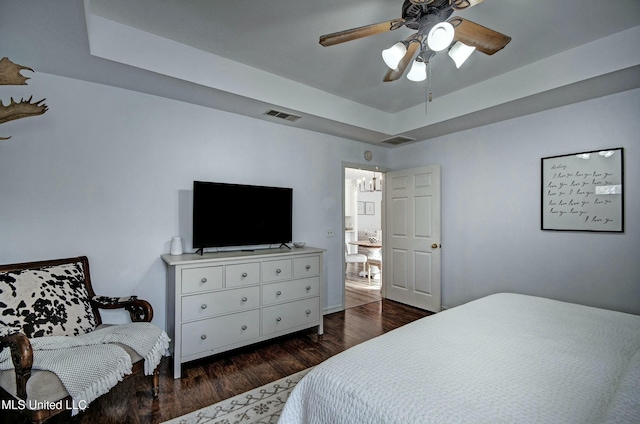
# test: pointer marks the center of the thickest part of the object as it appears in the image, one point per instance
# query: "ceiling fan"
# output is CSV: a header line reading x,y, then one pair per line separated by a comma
x,y
436,31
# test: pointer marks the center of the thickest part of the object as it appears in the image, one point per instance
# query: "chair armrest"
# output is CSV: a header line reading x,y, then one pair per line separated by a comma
x,y
139,310
22,356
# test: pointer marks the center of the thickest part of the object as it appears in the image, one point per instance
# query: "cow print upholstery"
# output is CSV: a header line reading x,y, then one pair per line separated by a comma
x,y
49,301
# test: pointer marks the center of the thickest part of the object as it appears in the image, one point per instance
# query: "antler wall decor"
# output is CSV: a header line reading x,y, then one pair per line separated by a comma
x,y
10,75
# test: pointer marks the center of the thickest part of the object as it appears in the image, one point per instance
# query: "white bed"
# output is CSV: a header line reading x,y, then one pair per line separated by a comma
x,y
505,358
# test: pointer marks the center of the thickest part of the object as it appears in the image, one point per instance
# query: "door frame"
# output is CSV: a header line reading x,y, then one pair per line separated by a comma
x,y
366,167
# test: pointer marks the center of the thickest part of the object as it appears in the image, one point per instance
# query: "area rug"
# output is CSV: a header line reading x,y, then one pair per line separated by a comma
x,y
258,406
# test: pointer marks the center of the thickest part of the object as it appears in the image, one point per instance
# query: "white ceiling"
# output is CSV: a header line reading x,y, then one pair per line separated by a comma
x,y
281,37
356,173
246,57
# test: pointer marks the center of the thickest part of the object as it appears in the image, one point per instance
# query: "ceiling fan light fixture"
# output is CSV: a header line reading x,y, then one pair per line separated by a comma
x,y
440,36
460,52
394,54
418,71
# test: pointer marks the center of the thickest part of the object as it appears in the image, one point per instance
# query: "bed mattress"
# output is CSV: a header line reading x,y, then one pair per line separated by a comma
x,y
505,358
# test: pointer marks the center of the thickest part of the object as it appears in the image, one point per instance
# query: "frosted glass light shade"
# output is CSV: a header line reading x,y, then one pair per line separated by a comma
x,y
418,71
460,52
440,36
394,54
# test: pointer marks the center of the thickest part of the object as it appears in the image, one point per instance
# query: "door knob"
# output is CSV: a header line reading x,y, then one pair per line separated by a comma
x,y
434,246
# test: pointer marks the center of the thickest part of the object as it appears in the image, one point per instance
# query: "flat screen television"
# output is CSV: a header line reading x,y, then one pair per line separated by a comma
x,y
240,215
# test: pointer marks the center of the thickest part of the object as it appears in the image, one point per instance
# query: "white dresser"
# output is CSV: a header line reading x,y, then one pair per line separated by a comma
x,y
225,300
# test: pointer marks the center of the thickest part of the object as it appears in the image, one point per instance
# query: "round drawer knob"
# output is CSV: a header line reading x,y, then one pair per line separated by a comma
x,y
278,293
278,319
308,288
278,271
308,267
308,311
244,299
203,337
244,275
204,280
203,306
244,327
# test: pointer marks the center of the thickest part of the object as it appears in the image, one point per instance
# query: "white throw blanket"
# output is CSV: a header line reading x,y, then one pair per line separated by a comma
x,y
89,365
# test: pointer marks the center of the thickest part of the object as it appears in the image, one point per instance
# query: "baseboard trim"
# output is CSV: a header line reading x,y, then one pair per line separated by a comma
x,y
332,310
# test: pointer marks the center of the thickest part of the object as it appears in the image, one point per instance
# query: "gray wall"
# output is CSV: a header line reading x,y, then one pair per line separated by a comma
x,y
108,173
491,237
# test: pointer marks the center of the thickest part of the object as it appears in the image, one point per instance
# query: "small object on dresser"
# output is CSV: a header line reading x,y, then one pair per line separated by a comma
x,y
374,239
176,246
298,243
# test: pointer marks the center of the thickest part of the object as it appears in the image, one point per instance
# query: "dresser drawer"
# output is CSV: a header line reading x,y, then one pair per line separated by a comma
x,y
290,315
276,270
201,279
306,267
242,274
213,333
290,290
217,303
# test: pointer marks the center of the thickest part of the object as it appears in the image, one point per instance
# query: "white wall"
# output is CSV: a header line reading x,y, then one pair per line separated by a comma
x,y
107,173
370,222
491,237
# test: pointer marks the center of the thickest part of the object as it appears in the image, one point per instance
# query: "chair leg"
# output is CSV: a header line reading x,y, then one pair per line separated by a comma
x,y
156,382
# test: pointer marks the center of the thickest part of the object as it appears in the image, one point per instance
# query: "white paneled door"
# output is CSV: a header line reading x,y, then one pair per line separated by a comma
x,y
412,237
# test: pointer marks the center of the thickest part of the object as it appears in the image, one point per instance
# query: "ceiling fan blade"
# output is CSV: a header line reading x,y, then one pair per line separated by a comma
x,y
482,38
360,32
394,74
464,4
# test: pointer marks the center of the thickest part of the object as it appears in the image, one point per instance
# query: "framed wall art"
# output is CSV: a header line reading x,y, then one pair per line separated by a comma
x,y
583,191
369,208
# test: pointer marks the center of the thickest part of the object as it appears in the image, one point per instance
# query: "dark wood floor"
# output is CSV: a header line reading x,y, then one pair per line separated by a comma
x,y
211,380
357,290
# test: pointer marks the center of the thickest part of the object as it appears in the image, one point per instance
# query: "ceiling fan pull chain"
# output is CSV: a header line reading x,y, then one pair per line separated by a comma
x,y
426,98
429,80
427,89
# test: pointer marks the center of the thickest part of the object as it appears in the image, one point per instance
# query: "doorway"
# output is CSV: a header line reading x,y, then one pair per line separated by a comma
x,y
363,223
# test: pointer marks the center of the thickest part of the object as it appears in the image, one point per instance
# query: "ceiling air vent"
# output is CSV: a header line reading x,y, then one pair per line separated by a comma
x,y
282,115
399,139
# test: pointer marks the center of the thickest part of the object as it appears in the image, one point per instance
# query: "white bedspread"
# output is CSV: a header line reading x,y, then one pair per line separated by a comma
x,y
505,358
